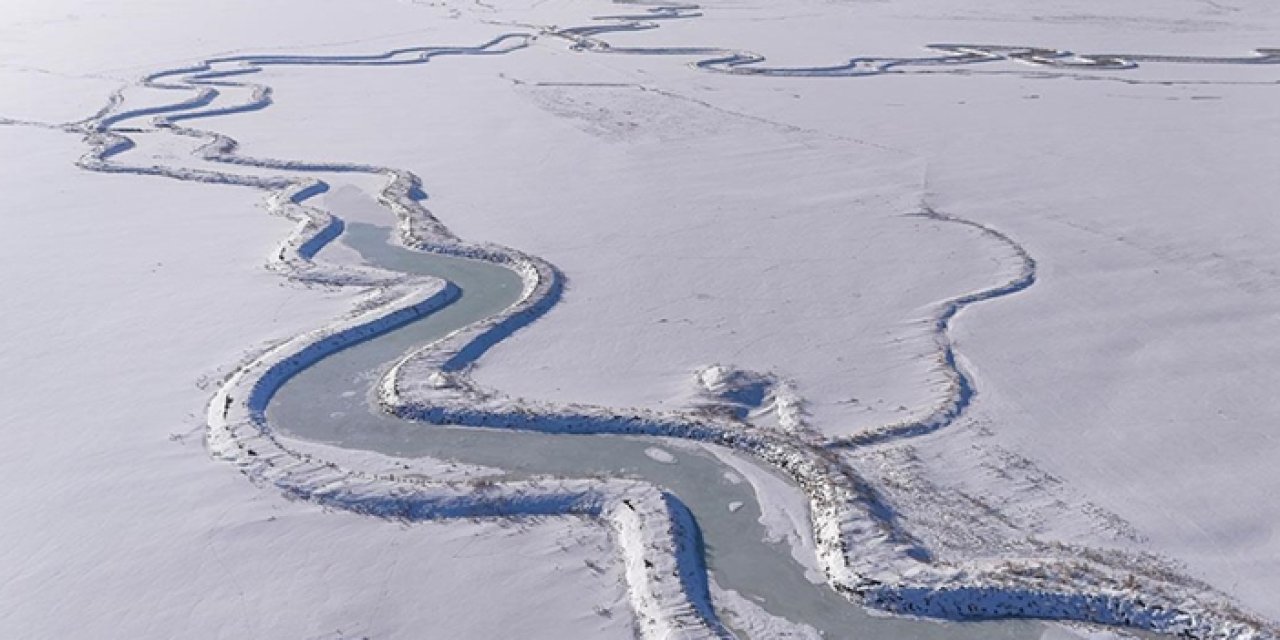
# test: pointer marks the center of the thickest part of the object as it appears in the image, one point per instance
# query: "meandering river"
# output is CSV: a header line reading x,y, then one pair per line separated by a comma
x,y
331,402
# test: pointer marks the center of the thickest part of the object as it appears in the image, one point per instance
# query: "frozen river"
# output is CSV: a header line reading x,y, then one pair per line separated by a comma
x,y
330,402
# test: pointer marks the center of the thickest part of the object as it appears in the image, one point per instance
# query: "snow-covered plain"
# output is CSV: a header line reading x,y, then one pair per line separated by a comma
x,y
117,526
771,222
126,300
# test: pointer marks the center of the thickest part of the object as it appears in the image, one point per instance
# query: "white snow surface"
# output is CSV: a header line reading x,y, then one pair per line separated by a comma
x,y
706,218
660,455
699,218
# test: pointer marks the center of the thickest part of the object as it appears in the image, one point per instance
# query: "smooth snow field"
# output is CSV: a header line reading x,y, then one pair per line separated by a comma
x,y
635,318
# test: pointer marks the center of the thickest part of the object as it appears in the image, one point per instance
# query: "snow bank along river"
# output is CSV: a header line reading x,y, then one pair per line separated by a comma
x,y
330,402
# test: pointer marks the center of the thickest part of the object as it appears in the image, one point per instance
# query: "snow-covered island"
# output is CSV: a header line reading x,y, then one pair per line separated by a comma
x,y
634,318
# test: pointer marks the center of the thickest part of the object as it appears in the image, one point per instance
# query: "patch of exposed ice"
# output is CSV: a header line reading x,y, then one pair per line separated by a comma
x,y
753,622
422,467
784,511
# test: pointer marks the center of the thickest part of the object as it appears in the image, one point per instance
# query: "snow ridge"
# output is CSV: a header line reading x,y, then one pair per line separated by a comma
x,y
960,389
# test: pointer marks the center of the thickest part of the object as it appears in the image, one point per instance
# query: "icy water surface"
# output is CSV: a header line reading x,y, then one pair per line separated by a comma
x,y
329,403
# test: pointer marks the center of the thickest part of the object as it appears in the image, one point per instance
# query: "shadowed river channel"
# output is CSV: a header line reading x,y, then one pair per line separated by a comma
x,y
330,403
